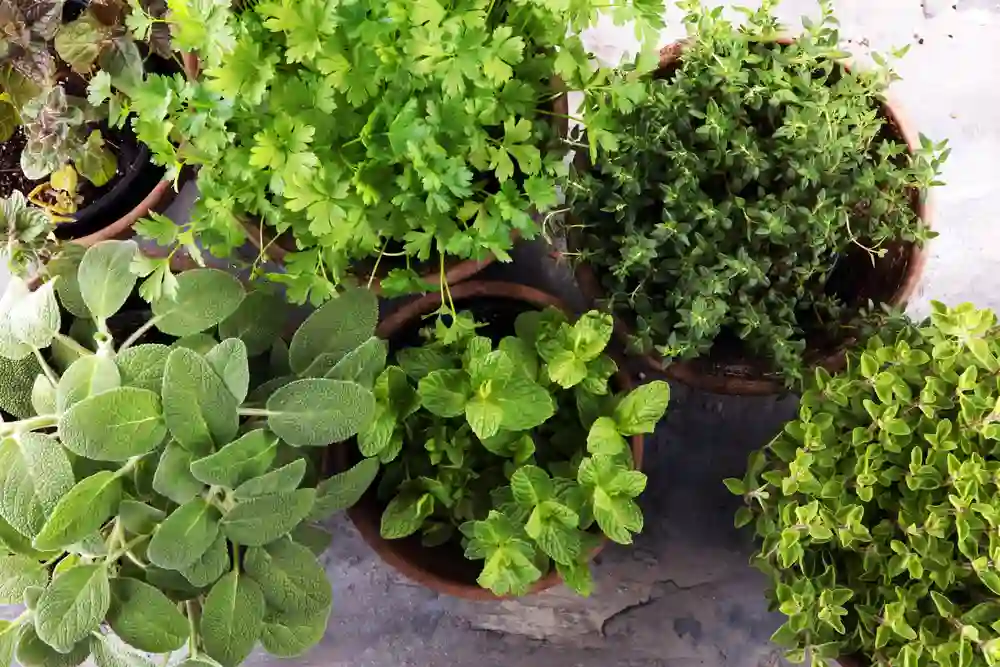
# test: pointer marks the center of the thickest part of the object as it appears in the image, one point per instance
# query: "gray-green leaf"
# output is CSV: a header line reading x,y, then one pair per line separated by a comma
x,y
290,577
33,652
204,298
405,514
362,364
73,606
344,489
87,376
34,474
105,277
146,618
232,619
185,535
262,520
43,396
143,366
200,411
17,573
313,537
316,412
247,457
230,361
35,319
336,328
139,518
173,477
81,512
114,425
257,322
283,480
210,566
109,651
291,635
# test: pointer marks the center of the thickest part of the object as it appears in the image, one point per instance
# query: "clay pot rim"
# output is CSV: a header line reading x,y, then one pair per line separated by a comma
x,y
364,515
688,371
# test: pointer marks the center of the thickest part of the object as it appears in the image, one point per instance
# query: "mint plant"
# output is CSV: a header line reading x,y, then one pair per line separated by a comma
x,y
878,507
772,166
517,447
381,130
163,482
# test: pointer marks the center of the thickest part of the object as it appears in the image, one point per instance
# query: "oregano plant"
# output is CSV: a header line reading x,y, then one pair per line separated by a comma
x,y
164,478
743,176
878,507
516,448
382,132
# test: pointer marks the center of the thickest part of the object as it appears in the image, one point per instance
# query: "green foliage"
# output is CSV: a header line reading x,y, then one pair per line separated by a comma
x,y
364,129
878,507
723,194
151,504
28,233
492,443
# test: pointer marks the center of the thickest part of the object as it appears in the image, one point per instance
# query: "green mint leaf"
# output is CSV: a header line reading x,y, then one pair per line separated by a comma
x,y
210,565
185,535
445,392
317,412
257,321
262,520
405,514
629,483
618,516
199,409
142,366
87,376
336,328
553,527
282,480
484,416
566,369
105,277
577,576
418,362
591,334
525,404
230,361
531,486
204,298
642,408
114,425
73,606
81,512
344,489
17,573
232,619
146,618
173,477
34,474
604,438
247,457
292,580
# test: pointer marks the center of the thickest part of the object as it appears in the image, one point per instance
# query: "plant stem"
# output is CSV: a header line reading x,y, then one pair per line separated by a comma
x,y
73,345
49,373
191,607
26,425
253,412
138,333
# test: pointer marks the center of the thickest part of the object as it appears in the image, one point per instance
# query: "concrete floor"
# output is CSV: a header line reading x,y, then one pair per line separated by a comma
x,y
684,595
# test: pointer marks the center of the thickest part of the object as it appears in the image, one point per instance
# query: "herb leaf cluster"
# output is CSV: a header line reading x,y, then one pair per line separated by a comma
x,y
162,479
731,191
515,447
878,507
373,130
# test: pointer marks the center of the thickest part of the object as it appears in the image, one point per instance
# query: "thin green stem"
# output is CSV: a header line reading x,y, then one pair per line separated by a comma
x,y
73,344
138,333
191,607
377,261
253,412
32,424
49,373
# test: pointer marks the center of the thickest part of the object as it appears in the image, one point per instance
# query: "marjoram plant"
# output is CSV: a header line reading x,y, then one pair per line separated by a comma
x,y
375,130
724,198
162,487
516,448
879,508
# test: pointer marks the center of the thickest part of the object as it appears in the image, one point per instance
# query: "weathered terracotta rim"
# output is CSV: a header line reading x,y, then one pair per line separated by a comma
x,y
692,372
366,515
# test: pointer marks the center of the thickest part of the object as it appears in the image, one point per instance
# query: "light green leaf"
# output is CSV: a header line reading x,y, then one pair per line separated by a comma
x,y
642,408
245,458
43,396
173,477
405,514
17,573
146,618
87,376
143,366
257,322
591,334
200,343
114,425
337,327
344,489
525,404
35,319
105,277
577,577
200,411
553,527
204,298
617,516
232,619
109,651
317,412
15,543
418,362
605,439
34,474
484,416
33,652
313,537
139,518
9,632
81,512
292,580
229,359
185,535
80,41
283,480
210,566
531,486
292,635
73,606
445,393
362,364
567,369
262,520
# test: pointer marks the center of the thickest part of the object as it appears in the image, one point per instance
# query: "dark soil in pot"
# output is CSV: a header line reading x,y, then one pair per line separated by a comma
x,y
445,569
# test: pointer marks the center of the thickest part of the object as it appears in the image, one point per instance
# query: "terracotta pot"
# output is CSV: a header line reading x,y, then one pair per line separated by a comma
x,y
445,569
892,280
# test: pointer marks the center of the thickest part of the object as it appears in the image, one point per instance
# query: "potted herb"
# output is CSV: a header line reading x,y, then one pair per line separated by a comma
x,y
780,194
64,140
404,143
158,498
878,507
511,444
